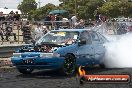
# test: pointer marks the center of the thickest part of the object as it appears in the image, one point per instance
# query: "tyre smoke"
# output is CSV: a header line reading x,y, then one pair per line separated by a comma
x,y
119,52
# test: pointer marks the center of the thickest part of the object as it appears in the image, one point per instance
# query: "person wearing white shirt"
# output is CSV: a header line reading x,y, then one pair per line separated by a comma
x,y
74,21
38,32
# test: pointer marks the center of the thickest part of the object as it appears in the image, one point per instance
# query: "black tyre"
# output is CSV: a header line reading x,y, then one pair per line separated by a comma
x,y
69,66
25,70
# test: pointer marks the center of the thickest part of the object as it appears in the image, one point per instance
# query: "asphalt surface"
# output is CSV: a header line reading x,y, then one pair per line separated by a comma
x,y
11,78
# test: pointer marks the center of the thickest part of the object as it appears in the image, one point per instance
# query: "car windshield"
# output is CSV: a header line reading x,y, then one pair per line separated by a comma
x,y
59,37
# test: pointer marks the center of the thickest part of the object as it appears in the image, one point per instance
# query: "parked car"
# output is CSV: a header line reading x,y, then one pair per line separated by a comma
x,y
62,50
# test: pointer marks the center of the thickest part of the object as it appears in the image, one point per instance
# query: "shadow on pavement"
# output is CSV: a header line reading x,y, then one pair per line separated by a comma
x,y
56,75
44,75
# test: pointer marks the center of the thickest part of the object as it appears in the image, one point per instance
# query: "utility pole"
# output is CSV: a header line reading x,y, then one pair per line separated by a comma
x,y
76,7
39,3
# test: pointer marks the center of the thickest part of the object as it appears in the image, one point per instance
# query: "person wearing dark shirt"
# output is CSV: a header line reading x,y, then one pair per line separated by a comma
x,y
2,17
9,32
16,16
47,18
1,34
26,33
58,18
11,16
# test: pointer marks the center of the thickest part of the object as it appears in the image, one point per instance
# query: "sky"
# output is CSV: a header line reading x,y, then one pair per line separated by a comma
x,y
12,4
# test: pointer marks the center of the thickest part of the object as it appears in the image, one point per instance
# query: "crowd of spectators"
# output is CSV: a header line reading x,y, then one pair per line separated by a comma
x,y
58,21
7,23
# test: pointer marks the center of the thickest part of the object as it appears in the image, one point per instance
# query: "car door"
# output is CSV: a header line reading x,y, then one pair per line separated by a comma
x,y
85,52
98,44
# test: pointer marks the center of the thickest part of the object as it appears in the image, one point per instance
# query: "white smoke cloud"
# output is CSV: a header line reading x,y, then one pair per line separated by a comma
x,y
119,52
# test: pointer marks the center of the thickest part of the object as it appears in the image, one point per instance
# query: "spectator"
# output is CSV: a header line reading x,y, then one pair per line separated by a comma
x,y
9,32
80,24
26,33
52,16
74,21
11,16
38,32
58,18
47,18
2,18
1,34
16,16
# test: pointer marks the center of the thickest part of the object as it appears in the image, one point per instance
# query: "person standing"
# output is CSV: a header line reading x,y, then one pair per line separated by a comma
x,y
2,18
74,21
9,32
17,18
26,33
38,32
1,33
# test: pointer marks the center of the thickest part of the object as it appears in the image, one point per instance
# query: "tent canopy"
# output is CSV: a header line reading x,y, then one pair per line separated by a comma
x,y
58,12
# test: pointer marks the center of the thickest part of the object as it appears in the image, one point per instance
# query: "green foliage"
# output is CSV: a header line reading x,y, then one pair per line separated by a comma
x,y
27,5
115,9
84,9
88,8
40,13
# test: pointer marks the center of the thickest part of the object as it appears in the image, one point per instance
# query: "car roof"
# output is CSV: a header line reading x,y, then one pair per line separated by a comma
x,y
79,30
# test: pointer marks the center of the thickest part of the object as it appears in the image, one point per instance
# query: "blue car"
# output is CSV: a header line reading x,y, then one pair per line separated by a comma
x,y
62,50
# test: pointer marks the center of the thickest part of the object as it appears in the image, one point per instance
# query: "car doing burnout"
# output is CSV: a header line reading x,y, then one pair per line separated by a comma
x,y
62,50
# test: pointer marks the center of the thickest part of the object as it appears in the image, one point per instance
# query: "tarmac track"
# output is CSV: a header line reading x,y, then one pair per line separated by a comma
x,y
11,78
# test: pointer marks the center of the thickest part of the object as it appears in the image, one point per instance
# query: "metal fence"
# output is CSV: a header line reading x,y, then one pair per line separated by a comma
x,y
18,25
105,27
116,28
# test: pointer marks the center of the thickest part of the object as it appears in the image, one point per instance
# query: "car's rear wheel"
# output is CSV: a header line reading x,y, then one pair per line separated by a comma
x,y
25,70
69,66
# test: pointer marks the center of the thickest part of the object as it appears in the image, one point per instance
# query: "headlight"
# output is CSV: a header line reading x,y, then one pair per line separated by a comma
x,y
49,55
46,55
16,54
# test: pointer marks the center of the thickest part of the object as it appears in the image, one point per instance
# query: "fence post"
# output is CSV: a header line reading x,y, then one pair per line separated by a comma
x,y
18,28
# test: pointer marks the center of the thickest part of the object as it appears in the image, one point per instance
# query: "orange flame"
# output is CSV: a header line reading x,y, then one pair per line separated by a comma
x,y
81,71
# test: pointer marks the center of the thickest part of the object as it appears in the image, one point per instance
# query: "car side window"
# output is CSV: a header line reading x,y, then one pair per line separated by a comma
x,y
85,35
95,37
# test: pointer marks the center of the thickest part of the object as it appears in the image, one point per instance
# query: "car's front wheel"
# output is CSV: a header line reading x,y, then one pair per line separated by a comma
x,y
69,65
25,70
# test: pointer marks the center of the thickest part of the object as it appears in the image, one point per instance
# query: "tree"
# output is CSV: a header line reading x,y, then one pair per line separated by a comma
x,y
85,8
27,5
40,13
116,8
